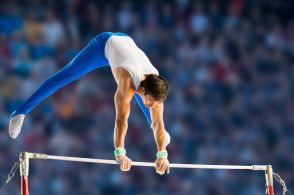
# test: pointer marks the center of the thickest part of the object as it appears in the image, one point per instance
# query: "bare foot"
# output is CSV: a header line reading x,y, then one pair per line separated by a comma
x,y
15,125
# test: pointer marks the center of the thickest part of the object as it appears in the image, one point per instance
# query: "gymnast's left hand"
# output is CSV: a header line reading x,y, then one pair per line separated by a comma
x,y
162,165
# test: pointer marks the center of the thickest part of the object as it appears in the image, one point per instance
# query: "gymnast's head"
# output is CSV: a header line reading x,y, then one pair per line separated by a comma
x,y
155,90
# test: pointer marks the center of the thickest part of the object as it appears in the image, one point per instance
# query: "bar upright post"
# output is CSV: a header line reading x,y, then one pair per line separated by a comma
x,y
24,172
269,180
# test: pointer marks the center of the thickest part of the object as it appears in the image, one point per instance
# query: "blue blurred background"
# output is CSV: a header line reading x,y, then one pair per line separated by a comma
x,y
231,74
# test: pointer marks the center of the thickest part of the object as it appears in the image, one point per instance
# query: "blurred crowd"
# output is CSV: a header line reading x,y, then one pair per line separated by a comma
x,y
231,100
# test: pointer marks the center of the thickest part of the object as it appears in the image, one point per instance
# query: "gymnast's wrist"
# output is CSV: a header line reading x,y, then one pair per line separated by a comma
x,y
162,154
119,151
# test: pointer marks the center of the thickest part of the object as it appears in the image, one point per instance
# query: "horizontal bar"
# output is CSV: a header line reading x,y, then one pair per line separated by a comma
x,y
147,164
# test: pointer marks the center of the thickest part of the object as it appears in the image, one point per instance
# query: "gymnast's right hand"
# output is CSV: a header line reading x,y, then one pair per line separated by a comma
x,y
125,162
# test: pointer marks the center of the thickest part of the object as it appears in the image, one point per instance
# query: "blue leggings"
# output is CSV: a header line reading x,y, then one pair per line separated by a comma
x,y
88,59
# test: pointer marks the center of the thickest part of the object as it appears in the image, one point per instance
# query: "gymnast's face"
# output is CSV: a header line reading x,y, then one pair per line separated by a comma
x,y
149,101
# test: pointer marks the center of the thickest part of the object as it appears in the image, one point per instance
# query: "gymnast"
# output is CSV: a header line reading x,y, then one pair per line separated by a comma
x,y
135,77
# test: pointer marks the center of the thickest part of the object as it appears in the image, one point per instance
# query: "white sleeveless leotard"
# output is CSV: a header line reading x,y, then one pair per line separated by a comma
x,y
122,51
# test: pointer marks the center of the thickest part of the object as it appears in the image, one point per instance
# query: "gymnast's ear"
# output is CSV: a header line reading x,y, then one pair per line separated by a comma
x,y
143,90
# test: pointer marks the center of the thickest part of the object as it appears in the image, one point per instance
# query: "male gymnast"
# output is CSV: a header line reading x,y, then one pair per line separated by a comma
x,y
134,75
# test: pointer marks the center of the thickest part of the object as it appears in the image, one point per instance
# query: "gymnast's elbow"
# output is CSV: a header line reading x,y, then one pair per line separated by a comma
x,y
121,122
157,126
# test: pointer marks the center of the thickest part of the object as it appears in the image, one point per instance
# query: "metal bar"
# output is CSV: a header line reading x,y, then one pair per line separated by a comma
x,y
147,164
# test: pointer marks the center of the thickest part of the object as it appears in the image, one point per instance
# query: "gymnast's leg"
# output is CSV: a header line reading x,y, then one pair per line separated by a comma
x,y
146,112
88,59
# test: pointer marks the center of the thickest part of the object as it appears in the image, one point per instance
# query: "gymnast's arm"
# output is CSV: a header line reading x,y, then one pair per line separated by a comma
x,y
122,99
158,125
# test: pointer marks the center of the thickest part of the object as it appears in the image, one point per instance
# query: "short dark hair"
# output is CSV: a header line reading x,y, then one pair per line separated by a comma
x,y
156,86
